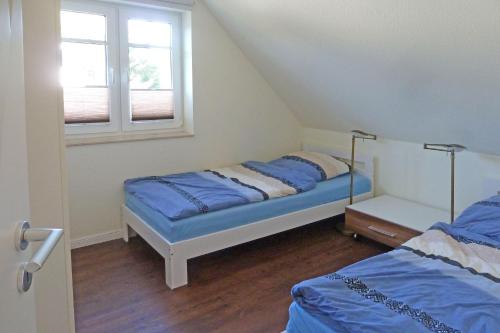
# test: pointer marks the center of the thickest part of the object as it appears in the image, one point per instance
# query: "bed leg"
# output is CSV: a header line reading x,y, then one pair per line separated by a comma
x,y
125,227
125,233
175,271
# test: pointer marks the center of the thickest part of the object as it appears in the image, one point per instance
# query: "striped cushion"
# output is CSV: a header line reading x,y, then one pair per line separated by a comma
x,y
317,165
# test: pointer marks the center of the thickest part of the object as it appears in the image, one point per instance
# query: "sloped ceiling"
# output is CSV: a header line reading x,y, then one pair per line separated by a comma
x,y
413,70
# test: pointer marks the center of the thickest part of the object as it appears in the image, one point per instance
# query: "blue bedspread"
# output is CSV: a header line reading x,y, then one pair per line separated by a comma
x,y
446,280
187,194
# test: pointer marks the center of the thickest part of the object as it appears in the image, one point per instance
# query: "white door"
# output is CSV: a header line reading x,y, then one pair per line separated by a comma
x,y
17,310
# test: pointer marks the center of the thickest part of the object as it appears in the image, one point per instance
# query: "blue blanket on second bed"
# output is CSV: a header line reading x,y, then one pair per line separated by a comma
x,y
446,281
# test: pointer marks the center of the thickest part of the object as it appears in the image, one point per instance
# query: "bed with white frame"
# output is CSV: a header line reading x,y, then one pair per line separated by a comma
x,y
177,253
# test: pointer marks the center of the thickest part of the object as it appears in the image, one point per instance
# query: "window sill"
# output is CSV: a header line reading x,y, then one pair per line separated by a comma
x,y
92,139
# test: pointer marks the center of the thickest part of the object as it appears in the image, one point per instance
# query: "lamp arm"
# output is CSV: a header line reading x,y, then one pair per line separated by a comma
x,y
356,134
351,169
452,208
452,149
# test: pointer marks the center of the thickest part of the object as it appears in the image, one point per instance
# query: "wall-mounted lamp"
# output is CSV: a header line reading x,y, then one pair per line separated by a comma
x,y
356,134
451,149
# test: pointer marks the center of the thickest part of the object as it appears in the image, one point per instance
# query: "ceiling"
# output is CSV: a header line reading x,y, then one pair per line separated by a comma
x,y
426,70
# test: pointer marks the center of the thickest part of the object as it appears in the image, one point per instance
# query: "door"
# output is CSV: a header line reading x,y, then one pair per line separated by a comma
x,y
17,310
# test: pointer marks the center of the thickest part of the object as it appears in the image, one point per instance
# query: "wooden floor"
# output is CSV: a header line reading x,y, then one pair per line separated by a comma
x,y
120,287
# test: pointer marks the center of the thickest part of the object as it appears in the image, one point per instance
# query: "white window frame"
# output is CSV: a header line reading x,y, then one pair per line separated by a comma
x,y
110,13
174,19
121,125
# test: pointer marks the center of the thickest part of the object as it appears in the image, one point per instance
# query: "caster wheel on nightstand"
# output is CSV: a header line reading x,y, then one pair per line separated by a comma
x,y
341,228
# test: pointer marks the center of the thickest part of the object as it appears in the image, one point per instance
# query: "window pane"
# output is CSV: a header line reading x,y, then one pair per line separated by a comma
x,y
150,68
149,33
83,26
151,97
152,104
84,81
86,105
83,65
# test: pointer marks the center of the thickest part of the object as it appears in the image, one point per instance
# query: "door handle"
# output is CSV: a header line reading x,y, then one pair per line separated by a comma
x,y
24,235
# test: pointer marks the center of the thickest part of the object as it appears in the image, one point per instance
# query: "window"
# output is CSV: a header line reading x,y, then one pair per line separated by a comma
x,y
150,56
121,68
85,67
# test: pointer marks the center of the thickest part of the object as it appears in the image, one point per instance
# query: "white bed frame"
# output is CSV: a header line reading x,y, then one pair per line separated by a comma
x,y
176,254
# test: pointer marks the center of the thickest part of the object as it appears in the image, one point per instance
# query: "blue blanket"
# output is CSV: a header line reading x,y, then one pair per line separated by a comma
x,y
446,280
187,194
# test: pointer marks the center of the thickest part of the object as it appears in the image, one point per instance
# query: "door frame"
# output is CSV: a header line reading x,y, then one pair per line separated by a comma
x,y
48,177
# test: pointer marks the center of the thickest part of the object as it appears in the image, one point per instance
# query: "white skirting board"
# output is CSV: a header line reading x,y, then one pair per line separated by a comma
x,y
96,239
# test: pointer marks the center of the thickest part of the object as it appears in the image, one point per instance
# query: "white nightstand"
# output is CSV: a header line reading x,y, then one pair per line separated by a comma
x,y
392,220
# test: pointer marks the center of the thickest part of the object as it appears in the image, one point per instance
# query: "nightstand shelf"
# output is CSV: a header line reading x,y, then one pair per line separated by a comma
x,y
390,220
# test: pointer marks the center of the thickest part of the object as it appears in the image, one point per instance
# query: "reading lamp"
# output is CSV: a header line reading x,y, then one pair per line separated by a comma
x,y
356,134
451,149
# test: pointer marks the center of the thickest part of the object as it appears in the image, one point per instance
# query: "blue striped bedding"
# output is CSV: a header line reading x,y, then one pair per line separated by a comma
x,y
203,224
184,195
447,280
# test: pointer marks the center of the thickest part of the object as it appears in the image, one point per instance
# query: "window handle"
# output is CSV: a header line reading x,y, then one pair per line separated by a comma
x,y
24,235
10,12
111,76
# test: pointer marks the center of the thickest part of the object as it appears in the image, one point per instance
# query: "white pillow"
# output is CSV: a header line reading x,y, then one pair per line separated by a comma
x,y
331,166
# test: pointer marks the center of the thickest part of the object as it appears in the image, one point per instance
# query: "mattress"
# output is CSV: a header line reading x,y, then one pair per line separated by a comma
x,y
174,231
302,321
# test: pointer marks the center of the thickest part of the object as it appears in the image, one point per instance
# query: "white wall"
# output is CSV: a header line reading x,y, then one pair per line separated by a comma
x,y
237,117
431,67
407,170
47,178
